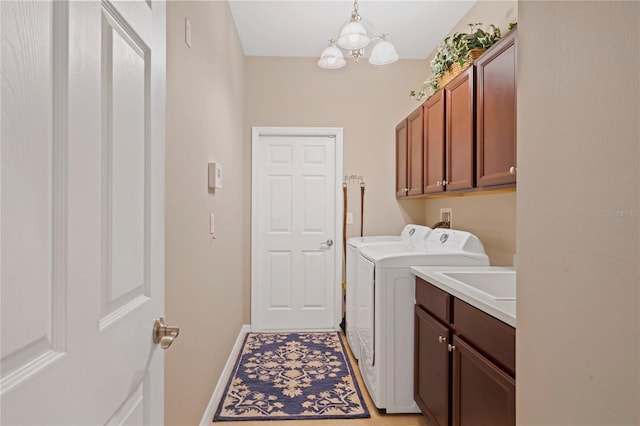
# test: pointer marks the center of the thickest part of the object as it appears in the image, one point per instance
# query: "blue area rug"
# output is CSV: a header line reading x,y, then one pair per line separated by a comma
x,y
292,376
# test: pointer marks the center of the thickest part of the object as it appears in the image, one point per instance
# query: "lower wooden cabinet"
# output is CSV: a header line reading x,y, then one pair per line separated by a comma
x,y
483,394
456,382
431,373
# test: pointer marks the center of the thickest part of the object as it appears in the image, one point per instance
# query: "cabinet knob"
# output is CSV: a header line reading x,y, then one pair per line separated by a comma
x,y
444,183
405,190
438,183
513,170
442,339
451,347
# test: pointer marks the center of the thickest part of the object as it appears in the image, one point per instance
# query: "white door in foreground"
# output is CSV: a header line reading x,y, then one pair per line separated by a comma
x,y
81,211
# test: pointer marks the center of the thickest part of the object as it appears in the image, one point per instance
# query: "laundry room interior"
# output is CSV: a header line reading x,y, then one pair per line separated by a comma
x,y
534,226
364,212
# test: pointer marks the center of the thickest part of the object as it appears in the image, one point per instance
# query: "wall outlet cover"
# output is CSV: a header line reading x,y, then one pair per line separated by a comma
x,y
446,215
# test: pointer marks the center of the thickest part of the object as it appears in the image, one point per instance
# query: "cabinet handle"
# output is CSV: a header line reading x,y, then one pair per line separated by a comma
x,y
405,190
442,339
444,183
438,183
513,170
451,347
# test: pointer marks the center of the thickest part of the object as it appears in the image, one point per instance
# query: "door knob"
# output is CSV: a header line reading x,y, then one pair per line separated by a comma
x,y
329,243
164,334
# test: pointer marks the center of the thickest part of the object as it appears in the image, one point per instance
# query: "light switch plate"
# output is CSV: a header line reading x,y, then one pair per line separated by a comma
x,y
215,175
187,31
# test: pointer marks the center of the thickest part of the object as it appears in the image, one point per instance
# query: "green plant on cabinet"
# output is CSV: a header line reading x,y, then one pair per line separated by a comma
x,y
455,48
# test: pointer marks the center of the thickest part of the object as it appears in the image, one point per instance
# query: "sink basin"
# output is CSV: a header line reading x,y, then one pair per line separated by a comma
x,y
497,285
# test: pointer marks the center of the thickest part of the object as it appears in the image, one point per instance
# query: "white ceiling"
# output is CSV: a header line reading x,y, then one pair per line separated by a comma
x,y
302,28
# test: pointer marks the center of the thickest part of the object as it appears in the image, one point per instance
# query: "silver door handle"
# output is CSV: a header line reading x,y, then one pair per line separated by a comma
x,y
164,334
329,243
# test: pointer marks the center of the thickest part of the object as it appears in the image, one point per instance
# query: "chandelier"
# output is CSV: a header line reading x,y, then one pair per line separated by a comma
x,y
354,37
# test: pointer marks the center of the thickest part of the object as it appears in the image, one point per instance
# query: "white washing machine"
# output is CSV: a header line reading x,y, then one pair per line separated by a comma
x,y
409,233
386,296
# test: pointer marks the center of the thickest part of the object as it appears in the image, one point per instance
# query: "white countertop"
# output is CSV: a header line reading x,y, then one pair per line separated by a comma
x,y
504,310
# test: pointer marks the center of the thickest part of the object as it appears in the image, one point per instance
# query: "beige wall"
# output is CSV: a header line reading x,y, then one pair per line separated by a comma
x,y
578,213
366,101
492,217
205,122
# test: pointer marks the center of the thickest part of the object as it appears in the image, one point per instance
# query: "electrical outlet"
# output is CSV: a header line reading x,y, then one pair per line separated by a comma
x,y
349,218
446,215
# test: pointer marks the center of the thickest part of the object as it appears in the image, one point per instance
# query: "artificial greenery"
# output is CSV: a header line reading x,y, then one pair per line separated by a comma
x,y
455,48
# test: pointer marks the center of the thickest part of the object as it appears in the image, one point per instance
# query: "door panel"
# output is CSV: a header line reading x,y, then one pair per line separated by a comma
x,y
431,380
434,143
415,152
460,133
124,167
31,191
295,278
81,211
401,159
483,394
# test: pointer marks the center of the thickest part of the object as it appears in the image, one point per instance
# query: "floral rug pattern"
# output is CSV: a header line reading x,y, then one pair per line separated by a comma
x,y
292,376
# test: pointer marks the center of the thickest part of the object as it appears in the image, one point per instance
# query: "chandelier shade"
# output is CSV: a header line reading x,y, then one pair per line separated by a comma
x,y
331,58
354,37
383,53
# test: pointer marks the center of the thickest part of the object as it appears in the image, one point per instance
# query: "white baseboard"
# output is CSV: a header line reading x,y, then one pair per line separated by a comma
x,y
207,417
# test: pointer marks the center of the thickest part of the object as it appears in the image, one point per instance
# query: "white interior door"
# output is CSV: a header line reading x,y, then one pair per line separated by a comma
x,y
296,226
81,211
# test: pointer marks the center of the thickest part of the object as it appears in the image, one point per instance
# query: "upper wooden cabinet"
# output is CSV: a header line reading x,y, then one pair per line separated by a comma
x,y
409,155
401,159
434,142
415,152
496,113
459,101
463,138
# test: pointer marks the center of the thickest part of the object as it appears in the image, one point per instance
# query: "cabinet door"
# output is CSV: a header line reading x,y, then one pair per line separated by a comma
x,y
431,368
401,159
496,113
434,143
414,152
459,102
483,395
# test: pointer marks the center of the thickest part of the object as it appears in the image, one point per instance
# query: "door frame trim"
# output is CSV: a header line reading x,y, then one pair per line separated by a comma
x,y
335,132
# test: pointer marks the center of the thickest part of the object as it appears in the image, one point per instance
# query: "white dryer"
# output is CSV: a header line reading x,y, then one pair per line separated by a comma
x,y
410,233
386,295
